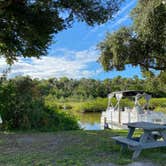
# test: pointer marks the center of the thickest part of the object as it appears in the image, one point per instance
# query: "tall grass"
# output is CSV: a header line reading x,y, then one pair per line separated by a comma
x,y
100,104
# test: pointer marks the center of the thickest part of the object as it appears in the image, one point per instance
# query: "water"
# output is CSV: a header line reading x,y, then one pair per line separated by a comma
x,y
89,121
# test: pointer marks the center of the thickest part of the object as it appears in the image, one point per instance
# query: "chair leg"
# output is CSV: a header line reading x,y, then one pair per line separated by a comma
x,y
136,154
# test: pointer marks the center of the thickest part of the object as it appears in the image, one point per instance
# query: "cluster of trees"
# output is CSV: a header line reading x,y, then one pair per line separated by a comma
x,y
22,107
143,43
90,88
27,27
84,88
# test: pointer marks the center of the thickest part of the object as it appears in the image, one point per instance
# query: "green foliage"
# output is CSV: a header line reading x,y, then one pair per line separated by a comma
x,y
22,108
100,104
4,74
114,49
141,44
158,103
27,27
96,105
88,89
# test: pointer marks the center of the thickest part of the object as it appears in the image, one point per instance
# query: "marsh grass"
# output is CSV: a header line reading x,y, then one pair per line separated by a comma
x,y
100,104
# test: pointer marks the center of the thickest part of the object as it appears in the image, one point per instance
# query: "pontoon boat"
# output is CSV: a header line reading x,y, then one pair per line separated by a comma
x,y
115,116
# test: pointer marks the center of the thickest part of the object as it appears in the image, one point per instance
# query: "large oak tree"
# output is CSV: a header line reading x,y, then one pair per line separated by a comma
x,y
143,43
27,26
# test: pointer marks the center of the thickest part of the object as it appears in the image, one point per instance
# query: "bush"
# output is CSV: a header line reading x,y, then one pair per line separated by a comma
x,y
22,108
96,105
158,102
53,120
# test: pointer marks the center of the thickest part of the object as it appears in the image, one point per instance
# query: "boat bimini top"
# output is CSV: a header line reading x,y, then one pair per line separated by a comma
x,y
130,93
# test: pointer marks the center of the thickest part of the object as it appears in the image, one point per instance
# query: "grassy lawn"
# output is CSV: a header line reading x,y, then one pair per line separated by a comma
x,y
69,148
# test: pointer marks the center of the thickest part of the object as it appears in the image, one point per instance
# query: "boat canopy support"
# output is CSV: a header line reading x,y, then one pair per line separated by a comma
x,y
120,94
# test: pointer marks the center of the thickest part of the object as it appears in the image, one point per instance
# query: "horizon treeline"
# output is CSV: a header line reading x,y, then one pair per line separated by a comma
x,y
88,88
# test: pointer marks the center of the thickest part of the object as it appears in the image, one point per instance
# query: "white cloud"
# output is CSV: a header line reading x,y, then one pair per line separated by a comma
x,y
73,64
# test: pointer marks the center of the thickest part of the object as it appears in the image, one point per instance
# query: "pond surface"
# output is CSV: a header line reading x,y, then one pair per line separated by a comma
x,y
89,121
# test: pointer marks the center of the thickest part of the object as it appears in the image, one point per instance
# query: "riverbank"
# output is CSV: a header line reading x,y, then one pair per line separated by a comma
x,y
100,104
70,148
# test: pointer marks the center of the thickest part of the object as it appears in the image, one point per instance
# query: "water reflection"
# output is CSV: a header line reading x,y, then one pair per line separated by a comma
x,y
89,121
88,126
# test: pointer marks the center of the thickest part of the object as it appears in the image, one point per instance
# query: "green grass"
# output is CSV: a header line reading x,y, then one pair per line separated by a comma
x,y
69,148
100,104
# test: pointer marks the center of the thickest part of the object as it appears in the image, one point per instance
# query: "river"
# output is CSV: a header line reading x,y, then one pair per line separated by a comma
x,y
89,121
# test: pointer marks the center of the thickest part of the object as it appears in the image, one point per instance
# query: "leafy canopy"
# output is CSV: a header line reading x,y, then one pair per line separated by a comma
x,y
27,26
143,43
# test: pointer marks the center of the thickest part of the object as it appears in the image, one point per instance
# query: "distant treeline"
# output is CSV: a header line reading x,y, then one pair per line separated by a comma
x,y
90,88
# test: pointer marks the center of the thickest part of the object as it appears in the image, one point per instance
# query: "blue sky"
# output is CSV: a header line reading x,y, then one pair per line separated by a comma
x,y
73,52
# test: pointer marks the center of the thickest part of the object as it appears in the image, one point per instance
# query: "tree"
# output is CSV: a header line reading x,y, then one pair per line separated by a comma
x,y
143,43
3,77
22,107
28,26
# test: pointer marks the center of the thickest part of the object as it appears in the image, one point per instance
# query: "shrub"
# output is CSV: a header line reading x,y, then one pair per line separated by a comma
x,y
158,102
22,108
96,105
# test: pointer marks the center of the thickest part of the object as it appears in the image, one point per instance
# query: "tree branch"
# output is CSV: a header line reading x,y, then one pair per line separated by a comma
x,y
159,57
153,67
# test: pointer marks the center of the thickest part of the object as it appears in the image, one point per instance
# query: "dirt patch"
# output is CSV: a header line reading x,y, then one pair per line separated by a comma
x,y
40,142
